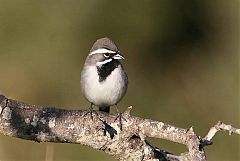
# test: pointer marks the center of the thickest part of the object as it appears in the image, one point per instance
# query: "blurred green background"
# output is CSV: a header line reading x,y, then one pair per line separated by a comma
x,y
181,58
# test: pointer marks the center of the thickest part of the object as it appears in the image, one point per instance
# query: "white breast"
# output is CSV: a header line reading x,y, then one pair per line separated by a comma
x,y
106,93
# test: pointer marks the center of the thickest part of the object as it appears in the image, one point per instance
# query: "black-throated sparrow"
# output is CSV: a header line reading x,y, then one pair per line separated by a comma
x,y
103,79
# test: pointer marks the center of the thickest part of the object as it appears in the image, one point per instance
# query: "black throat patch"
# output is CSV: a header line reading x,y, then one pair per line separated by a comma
x,y
106,69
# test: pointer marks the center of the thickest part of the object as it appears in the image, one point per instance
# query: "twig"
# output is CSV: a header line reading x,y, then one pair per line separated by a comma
x,y
218,127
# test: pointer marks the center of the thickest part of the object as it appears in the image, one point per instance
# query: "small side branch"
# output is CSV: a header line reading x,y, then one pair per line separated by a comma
x,y
220,126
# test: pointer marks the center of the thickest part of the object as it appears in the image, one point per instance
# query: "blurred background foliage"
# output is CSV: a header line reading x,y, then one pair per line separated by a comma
x,y
181,59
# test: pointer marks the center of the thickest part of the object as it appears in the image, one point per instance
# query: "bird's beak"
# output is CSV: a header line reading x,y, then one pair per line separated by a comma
x,y
118,56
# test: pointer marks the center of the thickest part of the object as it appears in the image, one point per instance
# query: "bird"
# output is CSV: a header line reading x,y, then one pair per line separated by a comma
x,y
104,81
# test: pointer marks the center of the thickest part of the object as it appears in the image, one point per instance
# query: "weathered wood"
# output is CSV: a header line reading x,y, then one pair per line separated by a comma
x,y
101,131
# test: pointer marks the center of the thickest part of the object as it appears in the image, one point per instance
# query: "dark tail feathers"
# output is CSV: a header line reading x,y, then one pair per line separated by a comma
x,y
105,109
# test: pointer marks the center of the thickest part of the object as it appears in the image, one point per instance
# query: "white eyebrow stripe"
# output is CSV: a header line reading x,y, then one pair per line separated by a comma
x,y
102,50
104,62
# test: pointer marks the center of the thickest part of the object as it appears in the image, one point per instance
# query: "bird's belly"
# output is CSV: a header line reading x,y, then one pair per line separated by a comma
x,y
102,95
106,93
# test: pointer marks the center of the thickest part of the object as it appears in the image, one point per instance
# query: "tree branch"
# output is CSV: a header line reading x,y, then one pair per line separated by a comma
x,y
218,127
101,131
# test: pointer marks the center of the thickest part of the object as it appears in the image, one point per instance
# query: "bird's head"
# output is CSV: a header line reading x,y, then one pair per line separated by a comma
x,y
103,51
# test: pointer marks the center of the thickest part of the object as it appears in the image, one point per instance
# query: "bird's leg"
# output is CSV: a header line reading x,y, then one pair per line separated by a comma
x,y
90,110
120,117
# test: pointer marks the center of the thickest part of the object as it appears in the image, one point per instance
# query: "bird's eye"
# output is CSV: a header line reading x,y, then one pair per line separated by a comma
x,y
106,55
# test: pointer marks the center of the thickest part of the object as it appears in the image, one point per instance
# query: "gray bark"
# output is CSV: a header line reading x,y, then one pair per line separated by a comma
x,y
102,131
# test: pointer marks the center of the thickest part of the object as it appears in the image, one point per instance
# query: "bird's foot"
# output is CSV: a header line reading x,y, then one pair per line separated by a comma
x,y
90,111
120,118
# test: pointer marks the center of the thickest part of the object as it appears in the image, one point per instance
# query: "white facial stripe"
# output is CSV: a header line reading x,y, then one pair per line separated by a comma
x,y
100,51
118,56
104,62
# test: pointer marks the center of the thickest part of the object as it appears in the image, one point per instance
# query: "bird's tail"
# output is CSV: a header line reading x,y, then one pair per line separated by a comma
x,y
105,109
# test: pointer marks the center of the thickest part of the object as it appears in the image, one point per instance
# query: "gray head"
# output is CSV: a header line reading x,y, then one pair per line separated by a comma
x,y
104,43
102,52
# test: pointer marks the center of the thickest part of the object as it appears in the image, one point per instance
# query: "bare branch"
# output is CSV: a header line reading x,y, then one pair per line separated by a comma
x,y
102,132
219,127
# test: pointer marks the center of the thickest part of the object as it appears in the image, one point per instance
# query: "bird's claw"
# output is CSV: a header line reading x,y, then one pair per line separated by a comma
x,y
120,117
90,111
